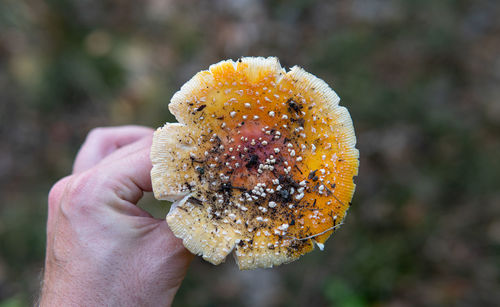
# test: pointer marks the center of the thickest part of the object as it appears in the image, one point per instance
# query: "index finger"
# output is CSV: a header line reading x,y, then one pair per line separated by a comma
x,y
101,142
129,175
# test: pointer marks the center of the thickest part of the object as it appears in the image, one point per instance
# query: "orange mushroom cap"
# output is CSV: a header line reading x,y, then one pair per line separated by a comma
x,y
261,163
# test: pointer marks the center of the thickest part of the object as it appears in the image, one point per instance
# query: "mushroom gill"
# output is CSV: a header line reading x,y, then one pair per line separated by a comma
x,y
261,162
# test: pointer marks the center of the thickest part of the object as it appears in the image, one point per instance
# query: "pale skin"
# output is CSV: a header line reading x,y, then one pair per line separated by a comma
x,y
103,250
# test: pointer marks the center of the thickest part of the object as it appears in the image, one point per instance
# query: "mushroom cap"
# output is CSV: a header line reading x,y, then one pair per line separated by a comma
x,y
261,163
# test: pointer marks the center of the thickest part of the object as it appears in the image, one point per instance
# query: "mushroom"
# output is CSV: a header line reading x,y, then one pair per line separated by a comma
x,y
261,162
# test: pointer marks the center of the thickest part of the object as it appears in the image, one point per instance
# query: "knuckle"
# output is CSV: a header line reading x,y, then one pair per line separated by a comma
x,y
79,192
80,185
57,191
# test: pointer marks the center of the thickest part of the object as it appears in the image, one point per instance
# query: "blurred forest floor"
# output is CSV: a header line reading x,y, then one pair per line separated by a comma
x,y
420,79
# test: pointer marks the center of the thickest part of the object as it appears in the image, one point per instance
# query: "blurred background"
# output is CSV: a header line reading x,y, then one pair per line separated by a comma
x,y
419,77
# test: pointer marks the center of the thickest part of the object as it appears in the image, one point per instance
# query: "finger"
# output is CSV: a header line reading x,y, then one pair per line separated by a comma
x,y
127,172
101,142
128,149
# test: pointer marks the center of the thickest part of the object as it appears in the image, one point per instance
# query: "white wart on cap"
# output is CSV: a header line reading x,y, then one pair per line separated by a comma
x,y
261,163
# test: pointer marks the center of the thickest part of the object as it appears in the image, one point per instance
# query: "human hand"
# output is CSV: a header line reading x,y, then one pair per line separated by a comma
x,y
103,250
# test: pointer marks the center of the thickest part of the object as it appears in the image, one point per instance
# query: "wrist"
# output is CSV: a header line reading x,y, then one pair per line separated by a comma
x,y
65,292
109,283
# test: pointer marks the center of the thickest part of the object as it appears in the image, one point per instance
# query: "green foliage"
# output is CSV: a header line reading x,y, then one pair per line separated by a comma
x,y
13,302
339,294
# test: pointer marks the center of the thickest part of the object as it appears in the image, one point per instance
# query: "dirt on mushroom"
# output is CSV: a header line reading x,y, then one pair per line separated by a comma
x,y
261,163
